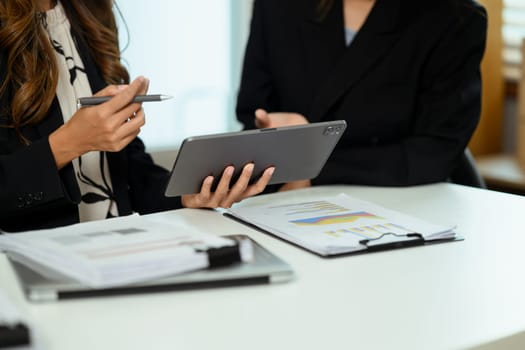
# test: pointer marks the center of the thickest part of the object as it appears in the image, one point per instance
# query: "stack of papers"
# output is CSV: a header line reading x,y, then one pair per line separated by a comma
x,y
340,224
115,251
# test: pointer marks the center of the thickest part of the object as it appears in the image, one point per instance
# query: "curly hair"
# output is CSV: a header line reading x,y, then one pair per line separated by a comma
x,y
32,73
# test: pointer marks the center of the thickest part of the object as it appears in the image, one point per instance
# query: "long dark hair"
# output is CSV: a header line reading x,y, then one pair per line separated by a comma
x,y
31,70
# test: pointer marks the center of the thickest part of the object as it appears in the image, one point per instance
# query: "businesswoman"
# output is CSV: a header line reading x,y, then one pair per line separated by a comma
x,y
404,74
60,165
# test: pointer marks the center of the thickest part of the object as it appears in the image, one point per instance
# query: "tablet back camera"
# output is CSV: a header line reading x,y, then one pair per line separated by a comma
x,y
332,130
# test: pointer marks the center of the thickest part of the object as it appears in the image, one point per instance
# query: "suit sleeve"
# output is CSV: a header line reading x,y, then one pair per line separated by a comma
x,y
446,114
147,182
256,89
31,185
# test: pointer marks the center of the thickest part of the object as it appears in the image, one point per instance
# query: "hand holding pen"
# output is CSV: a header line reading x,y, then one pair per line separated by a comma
x,y
106,127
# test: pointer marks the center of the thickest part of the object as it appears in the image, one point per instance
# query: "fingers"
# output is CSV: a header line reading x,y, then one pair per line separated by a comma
x,y
206,188
224,195
223,188
122,100
121,129
260,185
201,199
111,90
128,113
207,199
131,124
134,109
145,89
295,185
109,126
262,120
119,109
236,193
136,85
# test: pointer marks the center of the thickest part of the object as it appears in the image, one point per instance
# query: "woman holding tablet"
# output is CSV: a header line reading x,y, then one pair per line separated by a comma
x,y
404,74
58,164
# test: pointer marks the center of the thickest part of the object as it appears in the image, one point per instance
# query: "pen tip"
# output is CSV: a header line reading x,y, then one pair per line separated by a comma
x,y
165,97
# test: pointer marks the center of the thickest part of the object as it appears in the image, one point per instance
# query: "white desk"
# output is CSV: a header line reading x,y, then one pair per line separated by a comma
x,y
446,296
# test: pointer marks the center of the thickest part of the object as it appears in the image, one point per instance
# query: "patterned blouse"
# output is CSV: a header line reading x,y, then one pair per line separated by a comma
x,y
91,169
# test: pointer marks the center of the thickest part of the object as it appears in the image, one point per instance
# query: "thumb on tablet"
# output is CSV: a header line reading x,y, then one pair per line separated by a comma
x,y
262,119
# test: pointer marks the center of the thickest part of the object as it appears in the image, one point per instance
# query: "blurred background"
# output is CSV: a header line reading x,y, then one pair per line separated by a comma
x,y
499,141
193,51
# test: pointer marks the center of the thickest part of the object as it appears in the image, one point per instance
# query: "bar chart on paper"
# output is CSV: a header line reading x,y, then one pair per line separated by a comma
x,y
342,220
338,224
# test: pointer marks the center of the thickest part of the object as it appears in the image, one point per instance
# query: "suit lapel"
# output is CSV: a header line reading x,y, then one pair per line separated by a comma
x,y
370,45
323,41
55,119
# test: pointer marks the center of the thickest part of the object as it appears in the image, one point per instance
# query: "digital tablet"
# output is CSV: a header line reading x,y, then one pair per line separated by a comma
x,y
297,152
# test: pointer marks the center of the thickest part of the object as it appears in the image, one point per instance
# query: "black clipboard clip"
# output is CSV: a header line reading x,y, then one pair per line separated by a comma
x,y
397,241
228,255
14,335
223,256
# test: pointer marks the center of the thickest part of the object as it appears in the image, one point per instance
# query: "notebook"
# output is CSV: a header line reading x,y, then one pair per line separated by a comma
x,y
265,268
297,153
122,250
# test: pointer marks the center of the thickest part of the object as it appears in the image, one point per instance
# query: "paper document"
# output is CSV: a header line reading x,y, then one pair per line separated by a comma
x,y
339,224
114,251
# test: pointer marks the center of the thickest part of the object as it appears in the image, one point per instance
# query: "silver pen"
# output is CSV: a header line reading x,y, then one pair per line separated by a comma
x,y
96,100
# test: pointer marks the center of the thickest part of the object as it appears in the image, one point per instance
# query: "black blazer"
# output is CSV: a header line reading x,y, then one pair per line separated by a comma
x,y
408,86
34,194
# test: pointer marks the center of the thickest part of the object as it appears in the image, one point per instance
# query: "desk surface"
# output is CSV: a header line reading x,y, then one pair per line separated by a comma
x,y
447,296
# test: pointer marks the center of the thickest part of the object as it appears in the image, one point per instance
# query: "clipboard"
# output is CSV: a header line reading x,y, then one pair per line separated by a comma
x,y
379,244
341,225
405,241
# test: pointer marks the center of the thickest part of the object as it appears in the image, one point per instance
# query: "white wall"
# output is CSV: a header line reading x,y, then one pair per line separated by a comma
x,y
191,50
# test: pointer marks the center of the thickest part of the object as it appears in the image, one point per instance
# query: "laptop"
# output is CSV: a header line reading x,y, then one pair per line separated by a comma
x,y
266,268
297,153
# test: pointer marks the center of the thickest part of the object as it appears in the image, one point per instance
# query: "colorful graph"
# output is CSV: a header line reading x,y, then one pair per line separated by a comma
x,y
315,207
370,231
334,219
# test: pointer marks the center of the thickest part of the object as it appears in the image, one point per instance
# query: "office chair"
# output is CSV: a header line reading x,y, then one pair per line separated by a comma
x,y
466,173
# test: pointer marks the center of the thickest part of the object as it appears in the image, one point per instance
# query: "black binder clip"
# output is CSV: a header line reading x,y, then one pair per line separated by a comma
x,y
223,256
14,335
397,241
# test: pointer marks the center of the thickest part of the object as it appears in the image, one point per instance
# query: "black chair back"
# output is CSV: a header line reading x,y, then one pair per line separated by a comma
x,y
466,173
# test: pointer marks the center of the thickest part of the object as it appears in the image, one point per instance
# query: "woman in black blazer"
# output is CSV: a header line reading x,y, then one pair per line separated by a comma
x,y
59,166
408,84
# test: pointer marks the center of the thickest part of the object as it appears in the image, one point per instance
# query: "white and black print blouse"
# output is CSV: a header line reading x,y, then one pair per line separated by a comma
x,y
91,169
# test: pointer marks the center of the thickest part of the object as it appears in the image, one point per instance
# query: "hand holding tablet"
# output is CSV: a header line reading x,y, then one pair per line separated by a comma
x,y
296,152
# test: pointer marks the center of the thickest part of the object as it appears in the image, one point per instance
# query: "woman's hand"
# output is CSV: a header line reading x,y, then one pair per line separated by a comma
x,y
225,196
110,126
264,119
295,185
